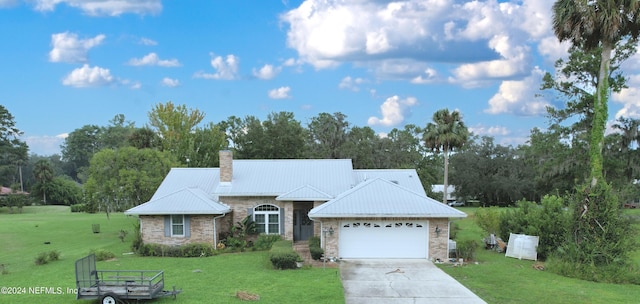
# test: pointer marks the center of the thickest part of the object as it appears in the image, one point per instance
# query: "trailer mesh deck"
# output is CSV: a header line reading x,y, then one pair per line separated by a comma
x,y
125,284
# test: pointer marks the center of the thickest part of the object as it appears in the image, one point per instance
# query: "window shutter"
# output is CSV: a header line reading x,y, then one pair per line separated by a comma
x,y
281,220
187,226
167,225
250,213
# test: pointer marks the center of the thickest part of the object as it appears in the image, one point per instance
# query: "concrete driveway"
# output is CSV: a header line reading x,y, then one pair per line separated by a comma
x,y
400,281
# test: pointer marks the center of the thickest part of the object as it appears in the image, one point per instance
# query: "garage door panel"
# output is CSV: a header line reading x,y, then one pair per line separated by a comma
x,y
378,239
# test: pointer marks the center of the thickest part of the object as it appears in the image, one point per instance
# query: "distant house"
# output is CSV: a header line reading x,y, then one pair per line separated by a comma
x,y
440,189
357,213
7,191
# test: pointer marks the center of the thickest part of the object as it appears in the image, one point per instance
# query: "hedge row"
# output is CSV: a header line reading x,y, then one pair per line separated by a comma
x,y
185,251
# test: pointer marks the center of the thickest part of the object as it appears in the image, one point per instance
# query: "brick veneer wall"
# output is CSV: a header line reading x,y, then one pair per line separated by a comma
x,y
152,228
240,205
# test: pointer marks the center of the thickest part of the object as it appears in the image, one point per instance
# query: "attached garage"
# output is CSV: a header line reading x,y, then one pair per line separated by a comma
x,y
370,239
379,219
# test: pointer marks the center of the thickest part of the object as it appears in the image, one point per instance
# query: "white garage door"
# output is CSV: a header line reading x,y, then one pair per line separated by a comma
x,y
384,239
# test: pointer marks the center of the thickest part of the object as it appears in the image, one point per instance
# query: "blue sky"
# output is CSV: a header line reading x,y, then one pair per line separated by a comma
x,y
385,64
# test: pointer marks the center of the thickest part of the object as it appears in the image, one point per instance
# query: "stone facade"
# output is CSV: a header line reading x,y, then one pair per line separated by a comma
x,y
226,166
439,241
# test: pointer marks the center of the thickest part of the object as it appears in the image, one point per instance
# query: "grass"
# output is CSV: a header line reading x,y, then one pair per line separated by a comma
x,y
498,279
214,279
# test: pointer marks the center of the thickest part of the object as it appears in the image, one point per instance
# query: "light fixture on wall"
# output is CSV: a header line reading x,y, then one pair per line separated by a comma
x,y
438,230
330,230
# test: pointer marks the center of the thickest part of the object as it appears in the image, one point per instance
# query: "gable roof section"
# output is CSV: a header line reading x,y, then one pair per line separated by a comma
x,y
274,177
204,179
304,193
407,178
183,201
377,198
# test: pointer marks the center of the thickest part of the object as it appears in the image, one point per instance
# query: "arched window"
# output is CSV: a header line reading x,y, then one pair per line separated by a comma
x,y
267,219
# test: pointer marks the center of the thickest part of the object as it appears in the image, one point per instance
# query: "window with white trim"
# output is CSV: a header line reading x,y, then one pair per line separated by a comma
x,y
177,225
267,219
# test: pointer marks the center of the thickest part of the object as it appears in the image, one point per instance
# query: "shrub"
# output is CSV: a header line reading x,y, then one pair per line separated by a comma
x,y
122,234
42,258
488,219
314,241
314,248
78,208
548,221
283,256
54,255
265,241
136,244
184,251
467,249
601,239
102,254
196,250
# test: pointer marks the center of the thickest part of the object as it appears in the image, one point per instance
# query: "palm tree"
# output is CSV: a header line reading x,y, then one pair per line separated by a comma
x,y
43,173
592,24
446,133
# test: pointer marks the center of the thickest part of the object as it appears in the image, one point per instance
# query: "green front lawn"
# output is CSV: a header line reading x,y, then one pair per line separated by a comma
x,y
499,279
214,279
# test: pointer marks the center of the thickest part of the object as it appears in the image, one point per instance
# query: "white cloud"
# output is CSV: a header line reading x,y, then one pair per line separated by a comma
x,y
514,62
105,7
394,110
153,59
551,49
225,69
147,41
267,72
489,130
353,84
519,96
430,76
629,98
478,42
68,48
88,77
280,93
168,82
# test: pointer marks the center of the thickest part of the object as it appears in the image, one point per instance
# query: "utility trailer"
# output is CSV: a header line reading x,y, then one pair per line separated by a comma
x,y
118,286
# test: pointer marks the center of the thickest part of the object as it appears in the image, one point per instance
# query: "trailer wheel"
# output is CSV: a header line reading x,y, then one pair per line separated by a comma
x,y
109,299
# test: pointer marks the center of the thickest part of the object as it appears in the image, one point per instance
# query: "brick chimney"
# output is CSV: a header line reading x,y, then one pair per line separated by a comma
x,y
226,166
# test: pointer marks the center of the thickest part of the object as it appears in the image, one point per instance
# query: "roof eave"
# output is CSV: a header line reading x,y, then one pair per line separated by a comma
x,y
378,215
203,212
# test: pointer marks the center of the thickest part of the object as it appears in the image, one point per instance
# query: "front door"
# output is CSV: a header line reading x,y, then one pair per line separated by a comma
x,y
302,225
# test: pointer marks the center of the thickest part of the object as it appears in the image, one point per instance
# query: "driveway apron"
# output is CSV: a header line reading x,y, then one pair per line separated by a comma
x,y
399,281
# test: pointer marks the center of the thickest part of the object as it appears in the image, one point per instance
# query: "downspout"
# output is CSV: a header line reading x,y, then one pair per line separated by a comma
x,y
215,231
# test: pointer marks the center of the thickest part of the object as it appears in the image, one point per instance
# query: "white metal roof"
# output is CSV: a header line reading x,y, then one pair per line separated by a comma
x,y
304,193
204,179
183,201
407,178
273,177
381,198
